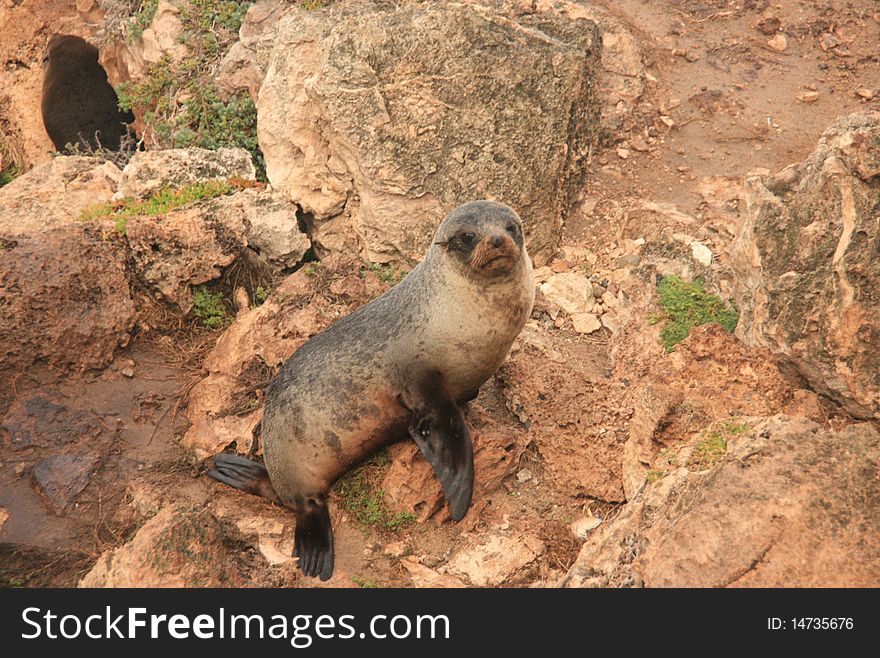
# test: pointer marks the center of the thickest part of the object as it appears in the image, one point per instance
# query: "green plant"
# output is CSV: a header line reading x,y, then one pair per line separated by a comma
x,y
713,443
385,271
654,474
178,98
141,18
364,582
310,5
361,496
687,305
163,201
210,308
10,161
7,175
261,294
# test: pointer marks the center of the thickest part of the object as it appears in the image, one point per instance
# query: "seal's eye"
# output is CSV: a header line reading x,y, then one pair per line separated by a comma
x,y
512,229
467,238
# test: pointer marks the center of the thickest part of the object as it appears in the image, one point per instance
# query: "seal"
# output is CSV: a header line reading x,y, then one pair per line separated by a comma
x,y
402,364
79,106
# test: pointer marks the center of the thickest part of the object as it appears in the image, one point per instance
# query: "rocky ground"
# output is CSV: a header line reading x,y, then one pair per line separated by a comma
x,y
734,142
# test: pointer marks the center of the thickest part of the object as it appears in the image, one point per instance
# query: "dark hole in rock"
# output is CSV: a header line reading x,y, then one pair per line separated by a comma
x,y
79,107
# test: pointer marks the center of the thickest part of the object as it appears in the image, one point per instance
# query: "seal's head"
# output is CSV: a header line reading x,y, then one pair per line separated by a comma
x,y
482,239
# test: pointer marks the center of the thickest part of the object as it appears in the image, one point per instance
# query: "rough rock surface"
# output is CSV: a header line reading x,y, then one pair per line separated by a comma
x,y
131,60
808,279
42,419
62,477
376,138
410,483
179,547
791,504
495,560
244,66
711,378
273,229
545,383
225,406
149,171
63,286
173,252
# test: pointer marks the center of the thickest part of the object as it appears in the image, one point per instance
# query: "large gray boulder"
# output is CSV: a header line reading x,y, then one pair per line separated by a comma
x,y
378,119
806,260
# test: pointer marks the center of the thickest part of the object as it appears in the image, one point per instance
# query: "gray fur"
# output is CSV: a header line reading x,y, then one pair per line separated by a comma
x,y
339,396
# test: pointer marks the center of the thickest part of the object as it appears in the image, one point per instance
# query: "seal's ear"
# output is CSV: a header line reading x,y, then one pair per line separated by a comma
x,y
438,427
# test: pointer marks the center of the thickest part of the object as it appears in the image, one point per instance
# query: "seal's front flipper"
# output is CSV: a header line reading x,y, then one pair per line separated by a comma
x,y
243,474
313,540
439,429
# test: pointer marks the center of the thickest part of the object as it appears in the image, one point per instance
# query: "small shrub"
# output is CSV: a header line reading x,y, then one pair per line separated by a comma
x,y
178,99
210,308
687,305
141,18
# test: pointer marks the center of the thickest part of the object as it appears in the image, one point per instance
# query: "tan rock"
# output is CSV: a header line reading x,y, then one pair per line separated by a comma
x,y
816,301
585,323
244,66
545,381
701,253
582,527
149,171
63,284
423,576
779,43
780,510
570,291
179,547
494,560
376,164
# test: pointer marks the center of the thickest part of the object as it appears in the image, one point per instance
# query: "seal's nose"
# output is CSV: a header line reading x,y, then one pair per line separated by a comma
x,y
497,241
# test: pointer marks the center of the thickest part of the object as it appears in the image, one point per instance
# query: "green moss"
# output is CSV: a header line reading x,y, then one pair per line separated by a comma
x,y
178,99
163,201
361,496
7,582
385,271
687,305
182,540
364,582
713,443
210,308
260,294
310,5
654,474
7,175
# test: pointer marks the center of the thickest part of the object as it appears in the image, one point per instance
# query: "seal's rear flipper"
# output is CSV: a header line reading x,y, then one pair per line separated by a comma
x,y
313,541
243,474
439,429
